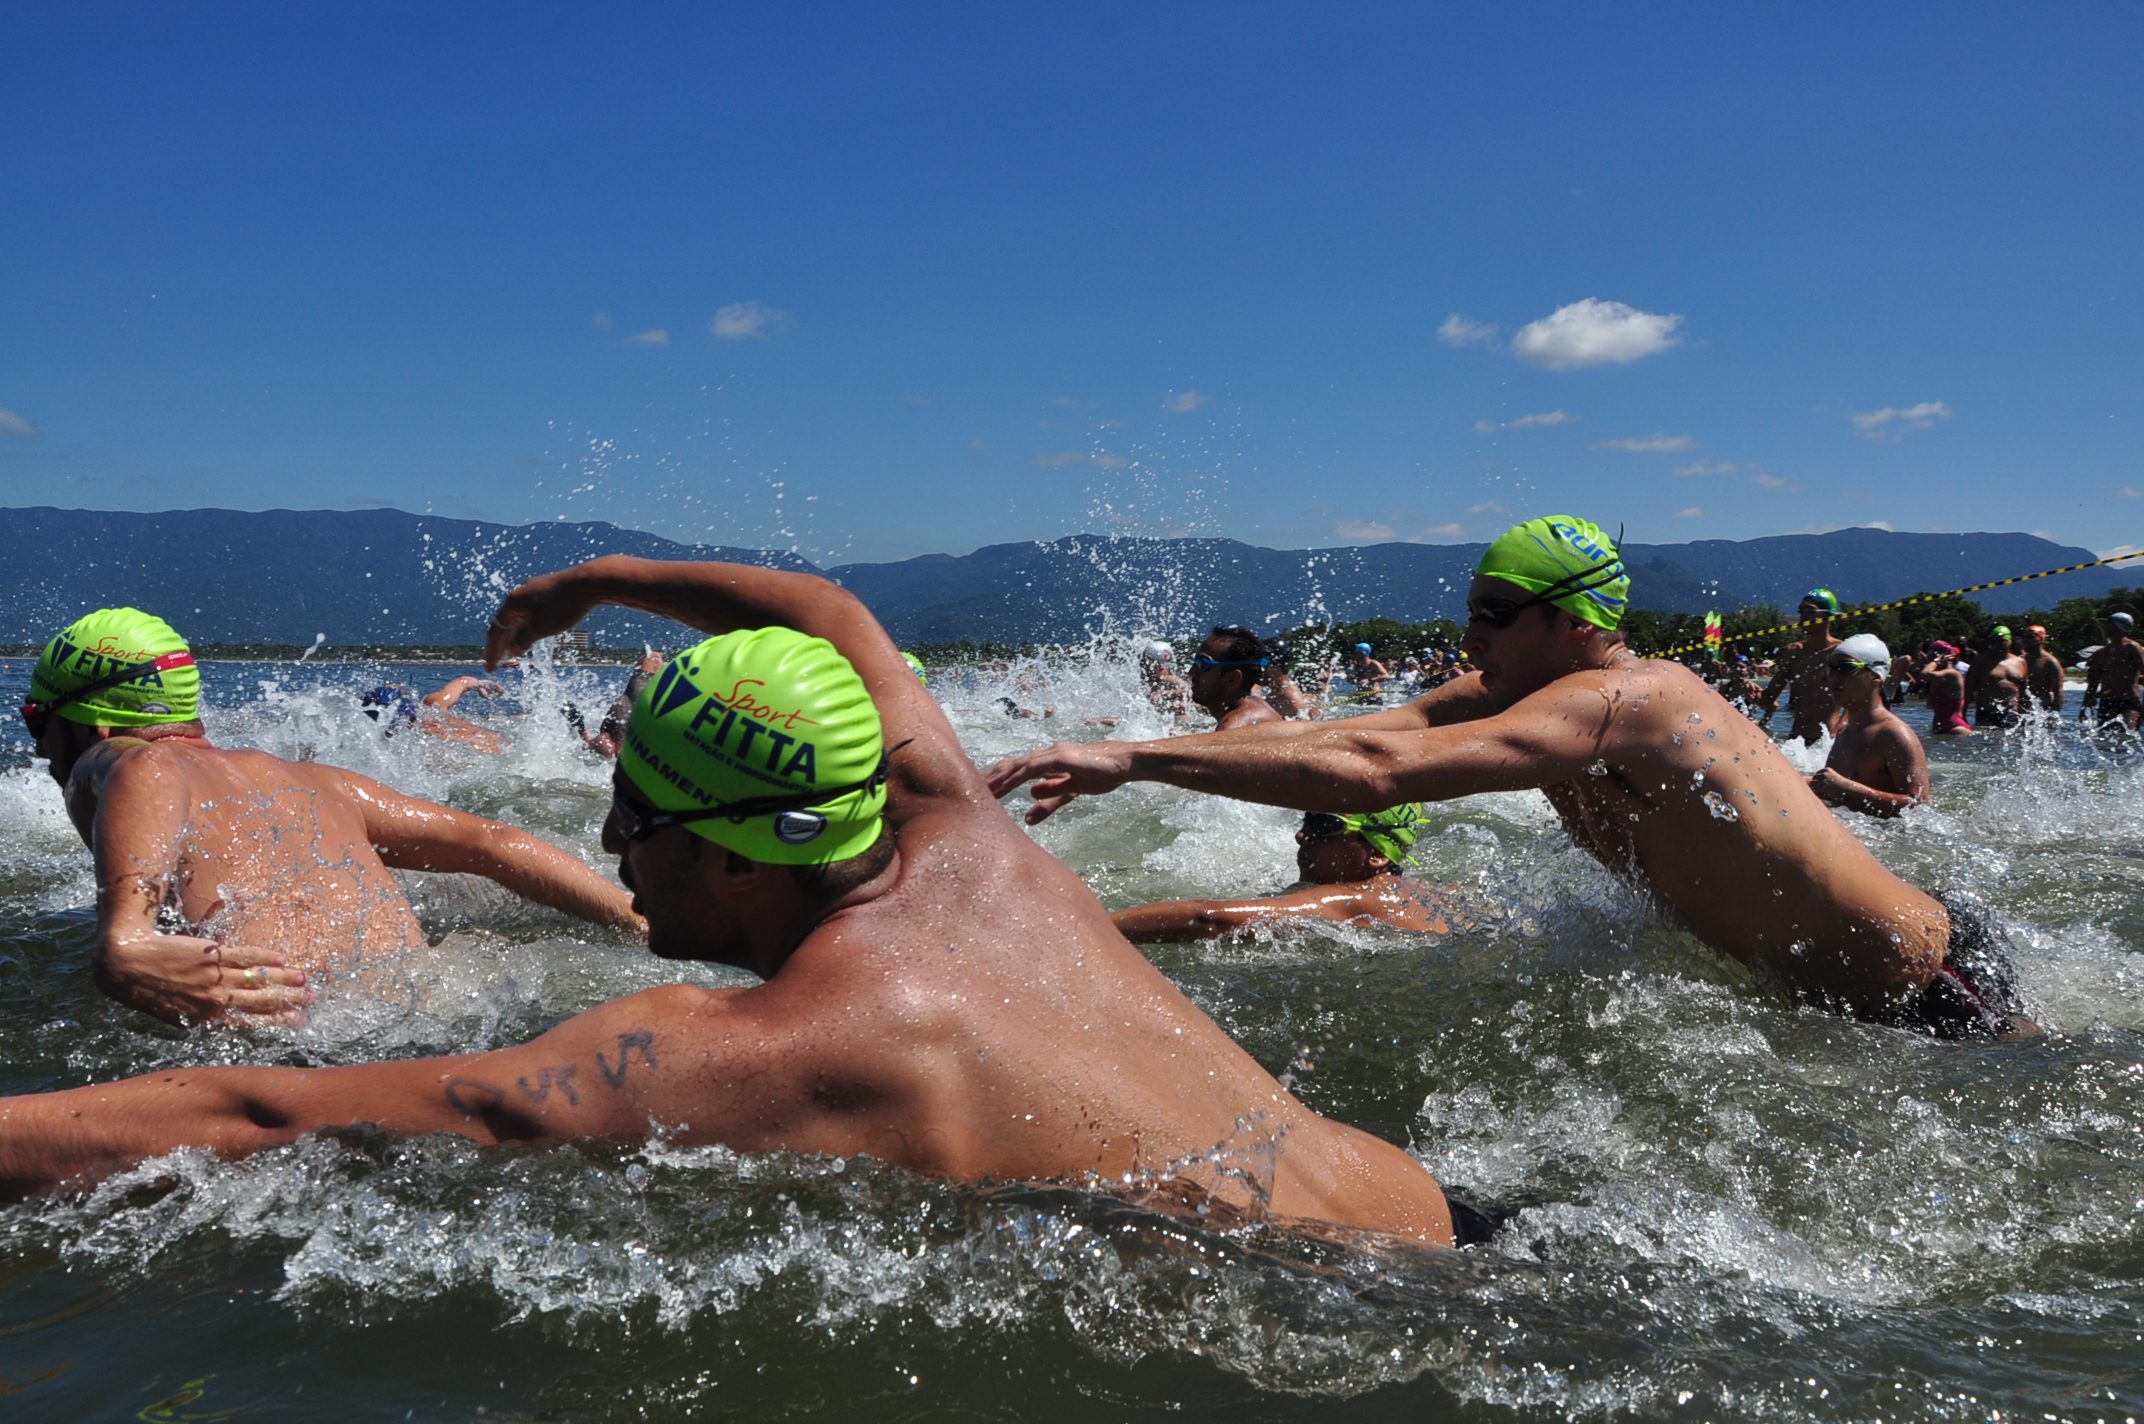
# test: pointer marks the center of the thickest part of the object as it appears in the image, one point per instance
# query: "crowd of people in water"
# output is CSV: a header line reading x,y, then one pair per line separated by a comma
x,y
935,989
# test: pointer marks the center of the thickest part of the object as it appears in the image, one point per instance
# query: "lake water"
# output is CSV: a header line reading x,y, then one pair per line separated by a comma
x,y
1729,1206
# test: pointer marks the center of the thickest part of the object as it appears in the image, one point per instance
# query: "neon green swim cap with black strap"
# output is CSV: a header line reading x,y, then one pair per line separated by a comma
x,y
1390,832
118,667
774,723
1566,561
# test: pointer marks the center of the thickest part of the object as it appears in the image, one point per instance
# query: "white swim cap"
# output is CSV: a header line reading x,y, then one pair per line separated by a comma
x,y
1157,652
1867,648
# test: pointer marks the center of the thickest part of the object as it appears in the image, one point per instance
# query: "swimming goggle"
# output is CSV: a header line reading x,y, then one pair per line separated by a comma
x,y
795,823
1840,665
35,714
1497,613
1325,826
1202,662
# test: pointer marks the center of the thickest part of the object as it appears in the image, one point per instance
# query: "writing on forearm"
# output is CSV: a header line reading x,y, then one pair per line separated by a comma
x,y
474,1097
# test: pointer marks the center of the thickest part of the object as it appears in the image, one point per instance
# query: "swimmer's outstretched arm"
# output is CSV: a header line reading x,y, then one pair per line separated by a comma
x,y
1182,921
673,1056
411,834
1548,738
445,698
1461,700
721,598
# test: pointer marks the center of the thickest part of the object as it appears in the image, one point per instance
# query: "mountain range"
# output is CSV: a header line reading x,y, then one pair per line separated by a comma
x,y
385,576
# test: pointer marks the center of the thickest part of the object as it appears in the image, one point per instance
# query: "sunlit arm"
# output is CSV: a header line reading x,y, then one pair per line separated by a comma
x,y
418,835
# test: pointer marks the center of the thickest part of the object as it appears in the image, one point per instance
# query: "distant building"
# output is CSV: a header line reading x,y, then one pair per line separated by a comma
x,y
571,644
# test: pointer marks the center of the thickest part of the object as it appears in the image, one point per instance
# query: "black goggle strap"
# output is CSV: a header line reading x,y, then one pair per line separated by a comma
x,y
1584,581
126,674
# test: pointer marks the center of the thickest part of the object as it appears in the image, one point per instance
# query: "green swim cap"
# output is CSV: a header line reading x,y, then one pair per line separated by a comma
x,y
1390,832
118,667
1568,562
915,665
763,715
1821,598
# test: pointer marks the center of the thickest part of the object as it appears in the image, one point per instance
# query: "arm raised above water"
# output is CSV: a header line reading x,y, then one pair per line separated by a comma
x,y
721,598
1548,738
412,834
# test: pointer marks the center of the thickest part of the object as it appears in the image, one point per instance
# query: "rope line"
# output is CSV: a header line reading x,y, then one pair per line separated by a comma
x,y
1860,610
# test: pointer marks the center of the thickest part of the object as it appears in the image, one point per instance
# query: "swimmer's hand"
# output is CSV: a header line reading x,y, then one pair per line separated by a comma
x,y
546,604
1062,772
183,979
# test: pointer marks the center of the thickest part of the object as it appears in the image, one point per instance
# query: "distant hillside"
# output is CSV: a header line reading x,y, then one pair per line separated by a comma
x,y
371,576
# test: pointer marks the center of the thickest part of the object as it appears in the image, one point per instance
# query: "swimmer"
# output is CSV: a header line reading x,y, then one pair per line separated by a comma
x,y
1169,694
1877,766
1280,689
1995,682
1945,687
1650,770
1352,869
1800,672
396,706
2114,677
2043,670
605,741
267,870
1224,679
937,992
1365,671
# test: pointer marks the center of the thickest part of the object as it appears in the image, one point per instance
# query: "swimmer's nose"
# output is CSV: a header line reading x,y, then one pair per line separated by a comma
x,y
613,842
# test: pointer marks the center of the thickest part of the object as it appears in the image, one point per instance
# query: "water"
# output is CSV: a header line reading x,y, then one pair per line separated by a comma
x,y
1728,1206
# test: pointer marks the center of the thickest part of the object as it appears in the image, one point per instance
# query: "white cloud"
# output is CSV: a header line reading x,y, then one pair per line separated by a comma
x,y
1893,421
2116,552
1655,444
13,424
1765,481
1701,468
1365,531
1058,459
1595,333
1458,330
1693,512
747,320
1185,402
1112,462
2128,491
655,337
1525,422
1487,506
1438,531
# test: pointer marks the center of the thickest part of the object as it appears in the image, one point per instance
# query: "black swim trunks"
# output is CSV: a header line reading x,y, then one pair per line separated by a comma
x,y
1471,1226
1974,994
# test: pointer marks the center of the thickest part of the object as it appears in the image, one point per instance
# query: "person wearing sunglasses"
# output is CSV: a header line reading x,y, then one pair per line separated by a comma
x,y
1353,869
1224,676
1877,766
1649,769
935,990
227,879
1800,672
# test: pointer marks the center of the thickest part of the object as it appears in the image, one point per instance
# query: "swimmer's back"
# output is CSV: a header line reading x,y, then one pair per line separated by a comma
x,y
264,851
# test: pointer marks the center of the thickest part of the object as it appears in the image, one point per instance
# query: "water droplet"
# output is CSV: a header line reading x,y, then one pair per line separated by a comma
x,y
1721,811
1598,768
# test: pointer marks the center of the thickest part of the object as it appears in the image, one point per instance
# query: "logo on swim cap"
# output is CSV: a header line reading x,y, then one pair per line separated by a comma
x,y
118,667
1568,561
757,715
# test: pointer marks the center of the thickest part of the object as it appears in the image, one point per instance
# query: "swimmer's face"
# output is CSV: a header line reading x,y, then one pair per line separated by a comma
x,y
1516,658
1335,860
666,870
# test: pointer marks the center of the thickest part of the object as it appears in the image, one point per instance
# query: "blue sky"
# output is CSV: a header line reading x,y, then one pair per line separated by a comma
x,y
876,281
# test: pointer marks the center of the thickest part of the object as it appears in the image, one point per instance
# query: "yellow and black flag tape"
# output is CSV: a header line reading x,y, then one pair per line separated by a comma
x,y
1860,609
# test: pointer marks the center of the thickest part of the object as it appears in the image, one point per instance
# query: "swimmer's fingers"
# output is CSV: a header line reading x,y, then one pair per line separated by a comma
x,y
1047,805
273,1004
186,979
